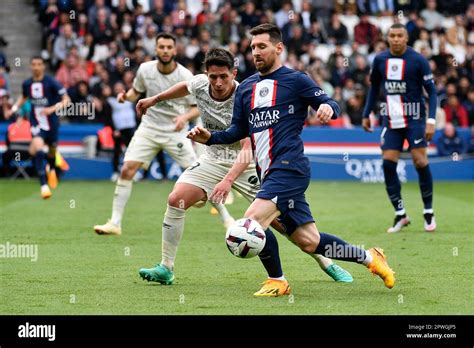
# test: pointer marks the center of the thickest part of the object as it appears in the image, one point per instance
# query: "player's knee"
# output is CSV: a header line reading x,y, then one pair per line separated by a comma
x,y
175,200
420,162
127,172
308,243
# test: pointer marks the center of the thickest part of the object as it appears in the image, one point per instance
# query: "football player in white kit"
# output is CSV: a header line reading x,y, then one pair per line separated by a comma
x,y
163,127
217,171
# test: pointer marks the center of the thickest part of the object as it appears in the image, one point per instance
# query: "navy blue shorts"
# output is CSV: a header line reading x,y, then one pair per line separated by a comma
x,y
393,139
286,188
50,137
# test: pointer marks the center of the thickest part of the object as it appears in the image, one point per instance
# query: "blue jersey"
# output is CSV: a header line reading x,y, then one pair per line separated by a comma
x,y
272,109
402,79
42,94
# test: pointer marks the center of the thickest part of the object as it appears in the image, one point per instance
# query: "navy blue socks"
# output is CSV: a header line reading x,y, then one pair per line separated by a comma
x,y
270,257
40,166
392,185
335,248
426,186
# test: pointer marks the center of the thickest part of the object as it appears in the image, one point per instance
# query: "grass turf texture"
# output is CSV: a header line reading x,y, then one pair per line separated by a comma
x,y
78,272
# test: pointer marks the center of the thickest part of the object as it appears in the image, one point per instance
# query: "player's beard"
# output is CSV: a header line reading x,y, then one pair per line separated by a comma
x,y
164,62
262,69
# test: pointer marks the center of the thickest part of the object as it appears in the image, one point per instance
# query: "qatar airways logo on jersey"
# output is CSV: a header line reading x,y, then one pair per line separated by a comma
x,y
264,118
39,102
396,87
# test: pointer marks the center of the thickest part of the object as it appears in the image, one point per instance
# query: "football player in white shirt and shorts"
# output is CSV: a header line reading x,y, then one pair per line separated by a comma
x,y
217,171
163,127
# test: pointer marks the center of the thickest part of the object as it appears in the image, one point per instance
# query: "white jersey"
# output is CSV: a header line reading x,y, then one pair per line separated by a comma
x,y
151,81
216,116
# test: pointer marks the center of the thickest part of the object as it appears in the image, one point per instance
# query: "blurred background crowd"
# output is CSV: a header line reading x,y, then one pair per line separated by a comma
x,y
94,47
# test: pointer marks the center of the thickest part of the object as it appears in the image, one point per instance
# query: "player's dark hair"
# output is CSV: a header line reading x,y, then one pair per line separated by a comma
x,y
165,36
270,29
219,57
398,26
36,57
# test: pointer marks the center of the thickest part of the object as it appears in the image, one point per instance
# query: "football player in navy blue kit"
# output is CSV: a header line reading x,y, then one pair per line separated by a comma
x,y
271,107
402,73
47,97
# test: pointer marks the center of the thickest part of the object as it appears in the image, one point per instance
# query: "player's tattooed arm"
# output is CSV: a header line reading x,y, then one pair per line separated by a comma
x,y
222,189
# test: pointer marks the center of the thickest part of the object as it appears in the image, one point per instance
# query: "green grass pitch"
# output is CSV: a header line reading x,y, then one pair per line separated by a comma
x,y
78,272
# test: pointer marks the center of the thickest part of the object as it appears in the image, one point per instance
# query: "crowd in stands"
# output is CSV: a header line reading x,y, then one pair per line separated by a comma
x,y
93,45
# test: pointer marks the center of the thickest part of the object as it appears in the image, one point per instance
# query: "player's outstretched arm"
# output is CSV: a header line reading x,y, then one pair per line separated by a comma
x,y
131,95
222,189
19,103
179,90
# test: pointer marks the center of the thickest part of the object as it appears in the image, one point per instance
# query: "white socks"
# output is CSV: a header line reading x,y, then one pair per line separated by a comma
x,y
123,189
322,261
368,258
172,231
400,212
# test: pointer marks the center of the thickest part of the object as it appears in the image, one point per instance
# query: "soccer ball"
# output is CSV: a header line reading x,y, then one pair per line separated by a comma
x,y
246,238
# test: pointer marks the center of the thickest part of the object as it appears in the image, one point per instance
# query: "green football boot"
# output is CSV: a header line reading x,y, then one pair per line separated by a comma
x,y
339,274
159,273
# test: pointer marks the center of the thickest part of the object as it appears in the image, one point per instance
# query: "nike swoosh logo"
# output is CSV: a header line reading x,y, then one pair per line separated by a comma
x,y
417,141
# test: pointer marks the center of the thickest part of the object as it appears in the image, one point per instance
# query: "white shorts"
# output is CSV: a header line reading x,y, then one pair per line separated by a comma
x,y
206,173
146,143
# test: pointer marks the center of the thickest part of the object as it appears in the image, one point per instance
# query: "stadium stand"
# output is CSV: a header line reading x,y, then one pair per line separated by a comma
x,y
92,44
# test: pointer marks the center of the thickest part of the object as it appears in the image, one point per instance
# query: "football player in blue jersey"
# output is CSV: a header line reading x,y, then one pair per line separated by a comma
x,y
271,107
47,97
402,73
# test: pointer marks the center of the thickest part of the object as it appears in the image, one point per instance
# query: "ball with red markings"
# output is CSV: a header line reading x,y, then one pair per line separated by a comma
x,y
245,238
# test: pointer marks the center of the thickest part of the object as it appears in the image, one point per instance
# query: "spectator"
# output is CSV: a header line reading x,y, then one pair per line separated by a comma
x,y
298,43
423,42
450,142
86,47
149,43
456,113
4,80
101,29
308,16
82,101
365,33
355,107
250,17
337,32
93,13
63,44
282,16
361,70
71,72
232,29
469,106
433,18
